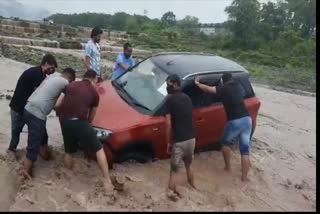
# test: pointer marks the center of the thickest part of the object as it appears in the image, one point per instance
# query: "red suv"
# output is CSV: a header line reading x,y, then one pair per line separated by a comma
x,y
130,121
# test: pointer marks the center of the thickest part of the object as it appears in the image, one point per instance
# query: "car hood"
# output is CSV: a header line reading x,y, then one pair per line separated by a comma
x,y
113,113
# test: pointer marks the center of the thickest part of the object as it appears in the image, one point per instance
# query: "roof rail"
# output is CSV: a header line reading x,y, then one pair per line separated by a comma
x,y
183,53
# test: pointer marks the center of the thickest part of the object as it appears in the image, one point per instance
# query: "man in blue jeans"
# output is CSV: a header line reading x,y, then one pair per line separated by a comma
x,y
239,121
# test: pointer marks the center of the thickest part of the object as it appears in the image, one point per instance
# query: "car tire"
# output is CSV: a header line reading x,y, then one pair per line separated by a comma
x,y
137,156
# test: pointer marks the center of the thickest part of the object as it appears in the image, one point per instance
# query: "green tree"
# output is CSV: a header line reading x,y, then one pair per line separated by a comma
x,y
303,15
119,21
132,26
273,20
189,23
169,18
244,19
171,33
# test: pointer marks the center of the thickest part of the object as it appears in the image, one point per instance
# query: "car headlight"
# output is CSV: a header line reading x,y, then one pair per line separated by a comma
x,y
103,133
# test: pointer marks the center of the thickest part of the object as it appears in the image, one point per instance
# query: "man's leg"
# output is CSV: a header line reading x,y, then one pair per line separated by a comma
x,y
176,158
245,147
68,161
44,149
103,165
173,181
245,164
230,132
189,154
89,141
69,141
226,151
36,132
190,174
17,124
102,162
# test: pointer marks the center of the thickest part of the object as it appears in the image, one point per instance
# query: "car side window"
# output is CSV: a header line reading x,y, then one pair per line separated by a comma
x,y
201,99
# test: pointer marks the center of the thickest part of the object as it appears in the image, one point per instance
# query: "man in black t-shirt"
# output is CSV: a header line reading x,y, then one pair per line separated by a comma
x,y
27,83
239,121
179,107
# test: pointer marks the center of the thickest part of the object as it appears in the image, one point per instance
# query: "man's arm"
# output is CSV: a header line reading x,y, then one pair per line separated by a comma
x,y
87,59
92,114
93,110
205,88
123,66
59,101
120,62
87,62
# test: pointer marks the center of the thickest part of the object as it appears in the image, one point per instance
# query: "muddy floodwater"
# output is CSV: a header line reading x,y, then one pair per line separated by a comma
x,y
283,177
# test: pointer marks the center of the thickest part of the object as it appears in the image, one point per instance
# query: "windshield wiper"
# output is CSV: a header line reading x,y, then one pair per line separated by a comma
x,y
132,100
140,105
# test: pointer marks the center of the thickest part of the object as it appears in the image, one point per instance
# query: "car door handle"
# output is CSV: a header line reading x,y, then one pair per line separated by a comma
x,y
200,120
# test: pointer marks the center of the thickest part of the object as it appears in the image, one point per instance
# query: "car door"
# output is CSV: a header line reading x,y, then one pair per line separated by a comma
x,y
209,117
210,122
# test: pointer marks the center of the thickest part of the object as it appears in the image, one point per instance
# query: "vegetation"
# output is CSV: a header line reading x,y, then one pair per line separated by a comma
x,y
274,41
34,56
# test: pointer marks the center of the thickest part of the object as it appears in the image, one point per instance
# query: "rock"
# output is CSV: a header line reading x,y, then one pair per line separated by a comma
x,y
30,200
289,182
298,186
49,183
147,196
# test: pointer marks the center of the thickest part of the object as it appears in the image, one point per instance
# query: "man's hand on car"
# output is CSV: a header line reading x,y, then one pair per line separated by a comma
x,y
129,69
197,80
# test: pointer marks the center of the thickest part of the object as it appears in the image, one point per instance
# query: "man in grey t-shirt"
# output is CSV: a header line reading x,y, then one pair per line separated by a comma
x,y
40,104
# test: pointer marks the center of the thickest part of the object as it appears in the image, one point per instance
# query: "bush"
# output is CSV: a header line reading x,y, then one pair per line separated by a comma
x,y
70,45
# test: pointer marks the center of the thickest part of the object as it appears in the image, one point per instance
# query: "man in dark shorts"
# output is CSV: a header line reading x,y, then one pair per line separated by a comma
x,y
27,83
77,111
239,121
179,107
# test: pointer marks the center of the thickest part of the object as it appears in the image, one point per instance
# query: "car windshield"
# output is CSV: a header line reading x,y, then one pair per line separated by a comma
x,y
146,84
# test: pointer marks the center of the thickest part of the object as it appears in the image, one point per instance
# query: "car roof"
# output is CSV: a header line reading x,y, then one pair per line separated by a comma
x,y
188,64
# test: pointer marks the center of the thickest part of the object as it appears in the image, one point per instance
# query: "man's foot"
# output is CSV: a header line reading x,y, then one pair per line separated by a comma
x,y
192,185
227,168
117,183
12,156
45,153
173,195
245,179
23,174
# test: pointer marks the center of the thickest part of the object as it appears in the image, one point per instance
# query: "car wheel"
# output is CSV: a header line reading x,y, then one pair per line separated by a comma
x,y
140,157
134,154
